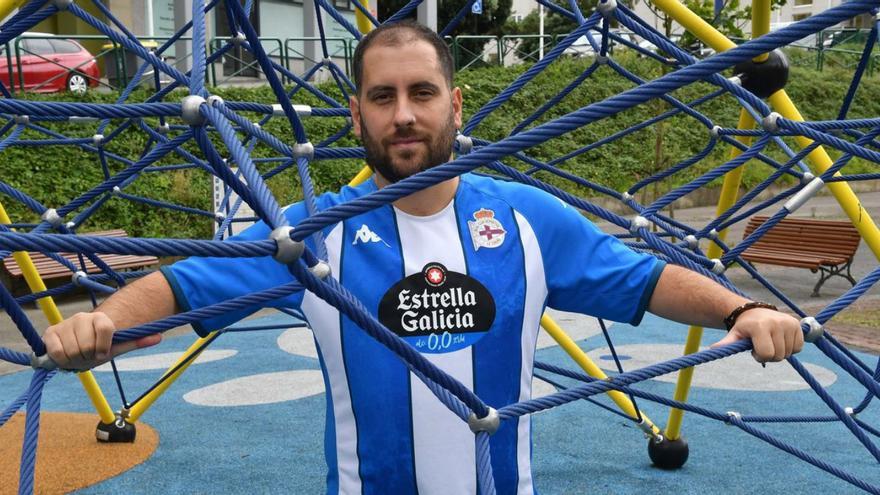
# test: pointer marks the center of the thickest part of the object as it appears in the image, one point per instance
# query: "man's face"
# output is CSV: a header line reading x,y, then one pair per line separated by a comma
x,y
404,113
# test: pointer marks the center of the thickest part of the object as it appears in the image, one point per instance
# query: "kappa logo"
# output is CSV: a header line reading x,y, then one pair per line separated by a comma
x,y
486,230
365,236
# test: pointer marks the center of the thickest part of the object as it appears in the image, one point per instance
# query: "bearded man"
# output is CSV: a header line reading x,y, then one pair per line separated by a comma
x,y
462,270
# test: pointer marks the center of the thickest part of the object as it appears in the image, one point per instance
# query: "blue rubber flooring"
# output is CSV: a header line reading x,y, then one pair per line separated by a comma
x,y
578,447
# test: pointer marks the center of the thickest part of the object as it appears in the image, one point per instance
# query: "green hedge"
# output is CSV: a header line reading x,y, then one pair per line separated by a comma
x,y
56,174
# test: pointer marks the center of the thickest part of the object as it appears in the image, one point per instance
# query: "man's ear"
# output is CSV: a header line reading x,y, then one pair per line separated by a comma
x,y
456,106
355,109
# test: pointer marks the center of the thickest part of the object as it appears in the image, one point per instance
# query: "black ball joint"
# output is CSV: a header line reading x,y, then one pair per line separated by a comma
x,y
764,78
668,454
119,431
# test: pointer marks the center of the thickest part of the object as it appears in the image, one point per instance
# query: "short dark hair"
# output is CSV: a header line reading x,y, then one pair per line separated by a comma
x,y
395,34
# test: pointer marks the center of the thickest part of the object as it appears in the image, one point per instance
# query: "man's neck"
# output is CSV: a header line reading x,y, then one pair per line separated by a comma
x,y
425,202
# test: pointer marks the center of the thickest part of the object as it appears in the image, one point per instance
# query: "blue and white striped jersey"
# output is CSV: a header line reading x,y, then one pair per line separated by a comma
x,y
467,287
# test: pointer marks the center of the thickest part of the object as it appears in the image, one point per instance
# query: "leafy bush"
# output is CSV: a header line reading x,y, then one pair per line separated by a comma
x,y
54,175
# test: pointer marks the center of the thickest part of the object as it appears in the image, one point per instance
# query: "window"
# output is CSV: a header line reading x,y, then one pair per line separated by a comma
x,y
64,46
343,4
37,46
803,2
799,17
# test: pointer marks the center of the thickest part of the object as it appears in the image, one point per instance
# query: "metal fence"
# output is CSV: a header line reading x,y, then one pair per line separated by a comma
x,y
233,64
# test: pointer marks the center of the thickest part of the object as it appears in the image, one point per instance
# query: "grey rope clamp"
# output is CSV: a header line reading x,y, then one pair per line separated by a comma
x,y
239,38
601,59
44,362
807,177
849,411
51,215
607,7
78,277
116,190
713,234
21,119
692,241
488,423
770,123
163,129
816,330
734,415
465,144
321,270
626,196
97,139
61,4
715,131
189,110
735,80
639,222
219,216
804,195
301,110
287,250
304,150
213,99
717,266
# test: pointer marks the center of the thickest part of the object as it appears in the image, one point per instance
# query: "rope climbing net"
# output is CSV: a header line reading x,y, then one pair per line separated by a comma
x,y
194,127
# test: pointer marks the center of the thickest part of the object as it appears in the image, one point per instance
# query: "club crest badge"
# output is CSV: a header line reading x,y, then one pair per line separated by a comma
x,y
486,230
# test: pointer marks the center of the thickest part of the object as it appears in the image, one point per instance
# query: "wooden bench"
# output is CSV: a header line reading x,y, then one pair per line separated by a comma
x,y
826,246
51,269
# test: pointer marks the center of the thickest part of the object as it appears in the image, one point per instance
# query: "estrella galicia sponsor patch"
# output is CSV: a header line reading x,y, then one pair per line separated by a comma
x,y
437,310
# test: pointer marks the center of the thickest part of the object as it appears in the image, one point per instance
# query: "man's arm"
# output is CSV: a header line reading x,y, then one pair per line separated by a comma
x,y
84,340
688,297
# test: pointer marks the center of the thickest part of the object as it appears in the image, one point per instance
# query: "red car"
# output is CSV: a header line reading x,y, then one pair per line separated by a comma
x,y
49,65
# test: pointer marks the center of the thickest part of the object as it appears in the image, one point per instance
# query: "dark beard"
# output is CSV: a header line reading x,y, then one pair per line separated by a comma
x,y
439,150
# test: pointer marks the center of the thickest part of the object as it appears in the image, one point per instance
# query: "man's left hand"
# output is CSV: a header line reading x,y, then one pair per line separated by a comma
x,y
775,336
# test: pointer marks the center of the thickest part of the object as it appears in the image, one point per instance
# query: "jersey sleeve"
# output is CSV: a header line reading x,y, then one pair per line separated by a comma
x,y
589,271
198,282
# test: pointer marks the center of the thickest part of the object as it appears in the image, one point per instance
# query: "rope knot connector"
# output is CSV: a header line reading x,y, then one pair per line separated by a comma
x,y
465,144
304,150
52,217
287,250
638,223
607,7
189,110
488,423
321,270
61,4
78,277
816,330
770,123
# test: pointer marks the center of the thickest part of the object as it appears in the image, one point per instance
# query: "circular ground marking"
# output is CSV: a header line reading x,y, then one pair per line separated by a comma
x,y
738,372
68,457
266,388
298,341
164,360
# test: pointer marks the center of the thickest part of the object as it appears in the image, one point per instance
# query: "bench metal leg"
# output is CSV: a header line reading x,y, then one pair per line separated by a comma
x,y
828,272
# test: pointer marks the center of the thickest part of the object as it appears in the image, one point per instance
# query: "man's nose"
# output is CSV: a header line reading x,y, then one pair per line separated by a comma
x,y
404,115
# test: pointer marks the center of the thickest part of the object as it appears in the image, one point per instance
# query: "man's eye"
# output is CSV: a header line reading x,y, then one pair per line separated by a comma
x,y
425,94
380,98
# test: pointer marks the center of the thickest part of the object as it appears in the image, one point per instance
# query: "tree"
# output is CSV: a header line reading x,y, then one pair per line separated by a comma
x,y
554,24
490,22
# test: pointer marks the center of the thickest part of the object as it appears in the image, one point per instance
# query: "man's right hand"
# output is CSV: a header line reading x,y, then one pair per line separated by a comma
x,y
85,340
